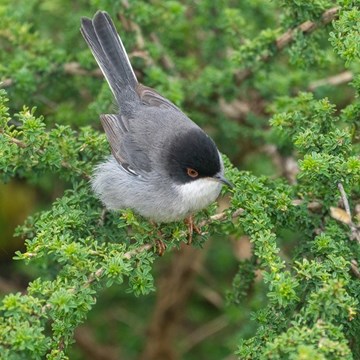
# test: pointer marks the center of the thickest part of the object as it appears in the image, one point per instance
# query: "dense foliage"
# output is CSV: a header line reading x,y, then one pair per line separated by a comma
x,y
276,84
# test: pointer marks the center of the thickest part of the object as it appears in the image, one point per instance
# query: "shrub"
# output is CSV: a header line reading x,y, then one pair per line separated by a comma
x,y
244,71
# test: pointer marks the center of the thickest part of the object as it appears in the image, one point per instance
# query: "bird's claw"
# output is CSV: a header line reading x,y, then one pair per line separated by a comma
x,y
160,247
191,228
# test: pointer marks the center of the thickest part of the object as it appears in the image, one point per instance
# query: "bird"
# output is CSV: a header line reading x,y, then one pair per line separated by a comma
x,y
162,165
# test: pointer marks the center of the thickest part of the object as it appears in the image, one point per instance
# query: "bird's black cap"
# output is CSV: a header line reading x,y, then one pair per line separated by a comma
x,y
192,150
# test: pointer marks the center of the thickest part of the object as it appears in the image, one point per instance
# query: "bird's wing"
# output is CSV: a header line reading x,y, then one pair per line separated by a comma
x,y
128,153
150,97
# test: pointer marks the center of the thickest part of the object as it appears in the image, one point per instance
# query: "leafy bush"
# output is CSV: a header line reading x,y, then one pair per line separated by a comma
x,y
269,82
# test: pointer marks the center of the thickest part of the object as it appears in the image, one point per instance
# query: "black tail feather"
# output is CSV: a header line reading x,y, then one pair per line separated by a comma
x,y
109,52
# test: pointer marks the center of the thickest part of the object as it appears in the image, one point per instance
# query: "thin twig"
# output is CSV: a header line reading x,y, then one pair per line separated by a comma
x,y
103,216
142,248
74,68
84,175
64,164
355,268
344,199
287,37
165,59
355,231
337,79
128,255
220,217
205,331
306,27
14,140
96,275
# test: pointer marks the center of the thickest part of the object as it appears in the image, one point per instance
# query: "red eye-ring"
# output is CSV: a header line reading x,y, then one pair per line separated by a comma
x,y
192,173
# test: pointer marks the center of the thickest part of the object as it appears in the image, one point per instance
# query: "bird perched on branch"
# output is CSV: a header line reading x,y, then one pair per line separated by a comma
x,y
163,166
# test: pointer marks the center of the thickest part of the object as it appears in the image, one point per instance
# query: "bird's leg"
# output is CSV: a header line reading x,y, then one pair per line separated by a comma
x,y
102,216
159,244
160,247
189,221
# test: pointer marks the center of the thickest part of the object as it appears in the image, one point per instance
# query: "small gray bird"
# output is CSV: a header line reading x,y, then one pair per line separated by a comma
x,y
163,166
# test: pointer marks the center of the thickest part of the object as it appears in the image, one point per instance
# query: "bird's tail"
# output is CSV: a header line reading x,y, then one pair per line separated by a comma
x,y
109,52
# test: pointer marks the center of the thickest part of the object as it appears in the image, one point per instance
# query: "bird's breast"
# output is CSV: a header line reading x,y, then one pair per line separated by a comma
x,y
198,194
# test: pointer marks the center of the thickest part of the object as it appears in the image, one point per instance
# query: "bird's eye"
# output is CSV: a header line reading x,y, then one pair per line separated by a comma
x,y
192,173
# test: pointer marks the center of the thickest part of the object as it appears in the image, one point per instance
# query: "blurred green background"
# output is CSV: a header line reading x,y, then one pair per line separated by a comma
x,y
191,52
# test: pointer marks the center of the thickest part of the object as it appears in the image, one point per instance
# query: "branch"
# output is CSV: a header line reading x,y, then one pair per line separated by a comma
x,y
146,247
355,268
338,79
306,27
286,165
128,255
66,165
6,83
74,68
14,140
23,146
205,331
174,289
344,199
8,286
221,217
355,231
91,349
286,38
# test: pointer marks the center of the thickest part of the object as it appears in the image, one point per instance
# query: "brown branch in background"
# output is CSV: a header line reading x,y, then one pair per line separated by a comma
x,y
306,27
355,268
8,286
338,79
347,219
140,51
132,26
6,83
204,332
286,38
210,295
236,109
165,59
74,68
174,288
286,165
344,199
86,342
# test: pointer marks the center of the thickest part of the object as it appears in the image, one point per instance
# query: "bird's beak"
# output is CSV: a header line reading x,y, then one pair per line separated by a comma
x,y
223,180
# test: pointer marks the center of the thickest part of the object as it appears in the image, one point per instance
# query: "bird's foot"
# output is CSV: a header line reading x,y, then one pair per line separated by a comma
x,y
189,221
160,247
102,217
